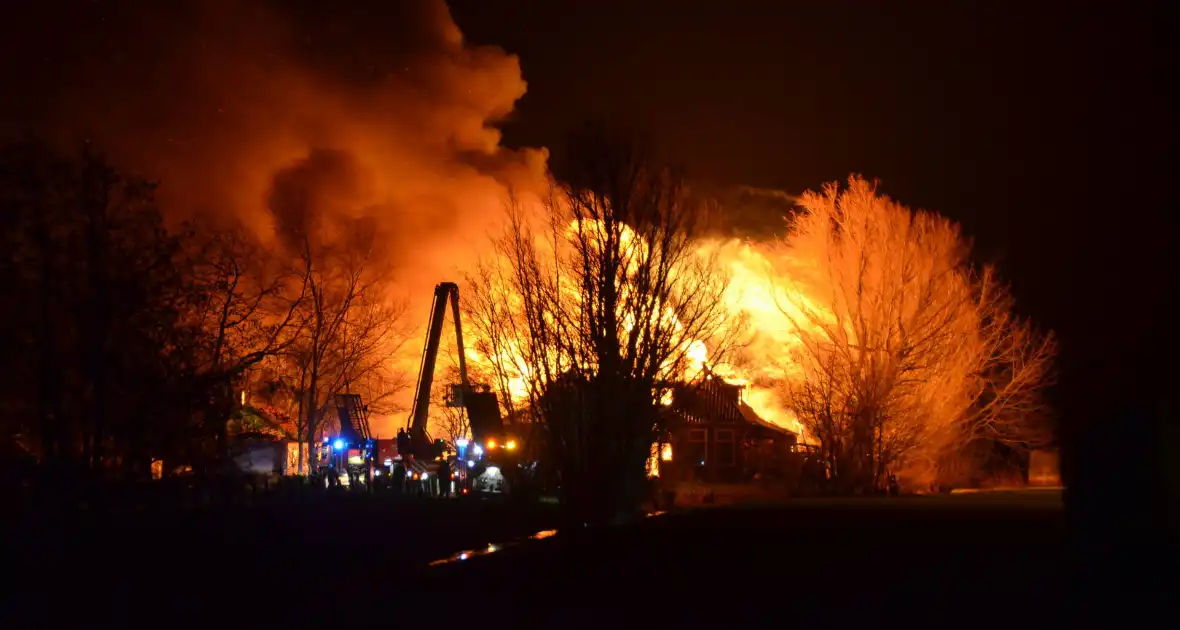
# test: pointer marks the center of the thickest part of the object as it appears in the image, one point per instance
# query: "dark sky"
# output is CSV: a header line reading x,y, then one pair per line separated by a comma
x,y
1040,127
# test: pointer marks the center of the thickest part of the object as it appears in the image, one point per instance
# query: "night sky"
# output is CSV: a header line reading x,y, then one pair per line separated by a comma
x,y
1041,129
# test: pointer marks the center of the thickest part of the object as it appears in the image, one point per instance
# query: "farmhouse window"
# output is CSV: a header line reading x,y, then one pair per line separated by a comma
x,y
697,451
726,448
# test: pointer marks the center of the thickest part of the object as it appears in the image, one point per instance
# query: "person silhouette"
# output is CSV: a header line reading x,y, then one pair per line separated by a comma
x,y
403,443
444,478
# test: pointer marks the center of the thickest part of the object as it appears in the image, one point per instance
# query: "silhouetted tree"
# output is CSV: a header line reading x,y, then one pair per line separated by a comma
x,y
348,327
601,296
245,304
103,346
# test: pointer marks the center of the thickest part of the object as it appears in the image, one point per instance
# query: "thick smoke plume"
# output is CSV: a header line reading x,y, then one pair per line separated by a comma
x,y
286,113
366,109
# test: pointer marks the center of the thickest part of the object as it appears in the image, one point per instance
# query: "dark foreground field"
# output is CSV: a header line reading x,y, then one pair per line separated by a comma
x,y
835,562
338,561
308,555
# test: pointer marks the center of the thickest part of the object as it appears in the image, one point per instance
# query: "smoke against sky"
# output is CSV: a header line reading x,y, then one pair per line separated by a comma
x,y
383,115
287,112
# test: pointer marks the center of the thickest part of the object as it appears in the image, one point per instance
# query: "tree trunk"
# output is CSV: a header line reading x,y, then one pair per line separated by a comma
x,y
300,421
48,404
312,418
99,329
222,412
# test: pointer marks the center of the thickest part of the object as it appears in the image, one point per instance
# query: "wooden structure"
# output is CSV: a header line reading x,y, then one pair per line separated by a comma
x,y
717,438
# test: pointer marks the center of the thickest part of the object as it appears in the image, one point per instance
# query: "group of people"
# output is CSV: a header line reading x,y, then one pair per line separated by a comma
x,y
403,481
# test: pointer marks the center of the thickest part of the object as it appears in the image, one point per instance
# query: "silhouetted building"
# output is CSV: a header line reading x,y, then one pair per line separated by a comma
x,y
717,437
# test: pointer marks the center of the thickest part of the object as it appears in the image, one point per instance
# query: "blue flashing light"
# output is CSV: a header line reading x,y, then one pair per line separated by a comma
x,y
339,444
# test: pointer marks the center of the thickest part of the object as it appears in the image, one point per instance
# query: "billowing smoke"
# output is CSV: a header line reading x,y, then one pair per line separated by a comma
x,y
286,113
369,109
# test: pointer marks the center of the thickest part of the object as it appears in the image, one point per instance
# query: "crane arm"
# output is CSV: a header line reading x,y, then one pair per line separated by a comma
x,y
459,339
482,409
421,410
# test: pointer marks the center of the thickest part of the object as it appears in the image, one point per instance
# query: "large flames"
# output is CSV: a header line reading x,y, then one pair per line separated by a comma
x,y
759,293
867,320
761,290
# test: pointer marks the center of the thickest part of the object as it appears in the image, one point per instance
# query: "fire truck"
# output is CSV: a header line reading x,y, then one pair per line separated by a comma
x,y
346,457
480,463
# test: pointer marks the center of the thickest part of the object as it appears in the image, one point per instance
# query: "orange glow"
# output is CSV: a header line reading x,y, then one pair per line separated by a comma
x,y
239,123
760,293
236,103
858,278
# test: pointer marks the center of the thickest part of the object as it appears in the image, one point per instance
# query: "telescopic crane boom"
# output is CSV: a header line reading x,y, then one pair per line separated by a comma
x,y
483,411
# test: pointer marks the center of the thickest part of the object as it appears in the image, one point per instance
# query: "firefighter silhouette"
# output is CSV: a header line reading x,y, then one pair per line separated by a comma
x,y
444,478
403,443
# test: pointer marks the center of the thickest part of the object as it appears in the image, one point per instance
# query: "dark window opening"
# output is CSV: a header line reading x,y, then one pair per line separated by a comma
x,y
697,448
726,448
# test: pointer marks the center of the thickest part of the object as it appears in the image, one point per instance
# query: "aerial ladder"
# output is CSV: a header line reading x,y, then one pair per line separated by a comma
x,y
483,410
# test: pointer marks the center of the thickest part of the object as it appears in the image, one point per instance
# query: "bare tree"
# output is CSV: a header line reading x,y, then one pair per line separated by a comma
x,y
906,352
1010,365
247,304
349,331
599,298
137,328
496,335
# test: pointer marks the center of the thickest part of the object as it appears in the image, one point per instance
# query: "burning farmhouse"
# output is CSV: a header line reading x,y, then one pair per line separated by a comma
x,y
713,436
